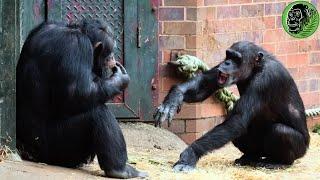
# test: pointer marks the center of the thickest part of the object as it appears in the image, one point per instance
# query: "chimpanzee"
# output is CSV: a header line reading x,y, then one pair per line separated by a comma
x,y
267,124
62,118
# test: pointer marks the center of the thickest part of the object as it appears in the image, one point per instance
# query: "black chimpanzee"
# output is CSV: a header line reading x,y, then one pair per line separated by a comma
x,y
61,91
267,124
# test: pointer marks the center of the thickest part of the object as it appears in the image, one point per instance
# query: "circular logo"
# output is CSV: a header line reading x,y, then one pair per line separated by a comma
x,y
300,19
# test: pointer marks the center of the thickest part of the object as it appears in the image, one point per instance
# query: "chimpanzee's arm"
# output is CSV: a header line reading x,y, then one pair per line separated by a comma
x,y
116,83
236,123
77,80
200,87
194,90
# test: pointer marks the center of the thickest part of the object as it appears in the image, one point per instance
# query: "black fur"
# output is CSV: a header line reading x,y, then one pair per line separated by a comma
x,y
61,115
267,124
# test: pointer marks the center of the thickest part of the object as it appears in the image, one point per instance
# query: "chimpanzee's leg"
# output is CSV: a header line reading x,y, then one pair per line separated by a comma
x,y
110,146
251,149
76,140
70,140
283,145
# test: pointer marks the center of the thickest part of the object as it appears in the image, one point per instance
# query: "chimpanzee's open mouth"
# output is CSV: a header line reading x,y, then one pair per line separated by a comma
x,y
222,78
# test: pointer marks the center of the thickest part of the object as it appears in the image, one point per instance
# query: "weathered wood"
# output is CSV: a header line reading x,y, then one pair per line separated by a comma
x,y
9,48
147,56
18,17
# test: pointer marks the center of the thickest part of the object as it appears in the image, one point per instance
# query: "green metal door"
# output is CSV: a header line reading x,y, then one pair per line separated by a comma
x,y
135,31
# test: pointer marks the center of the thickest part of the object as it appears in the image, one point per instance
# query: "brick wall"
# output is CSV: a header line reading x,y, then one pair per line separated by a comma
x,y
205,28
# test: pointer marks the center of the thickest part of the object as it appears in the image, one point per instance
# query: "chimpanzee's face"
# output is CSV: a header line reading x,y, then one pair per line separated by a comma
x,y
238,65
230,68
104,53
294,19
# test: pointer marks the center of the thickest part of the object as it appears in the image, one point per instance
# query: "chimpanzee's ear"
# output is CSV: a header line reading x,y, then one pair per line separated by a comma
x,y
98,48
230,53
259,56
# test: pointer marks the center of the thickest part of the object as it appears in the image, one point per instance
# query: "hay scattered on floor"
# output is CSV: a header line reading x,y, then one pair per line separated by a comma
x,y
219,165
216,165
4,152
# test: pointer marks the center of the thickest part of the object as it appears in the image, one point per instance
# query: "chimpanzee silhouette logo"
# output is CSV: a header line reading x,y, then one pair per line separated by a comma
x,y
300,19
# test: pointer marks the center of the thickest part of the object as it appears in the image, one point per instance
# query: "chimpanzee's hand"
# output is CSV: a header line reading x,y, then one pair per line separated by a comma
x,y
171,104
187,161
121,76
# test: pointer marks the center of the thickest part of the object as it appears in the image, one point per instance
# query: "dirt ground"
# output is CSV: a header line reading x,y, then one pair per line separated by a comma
x,y
155,150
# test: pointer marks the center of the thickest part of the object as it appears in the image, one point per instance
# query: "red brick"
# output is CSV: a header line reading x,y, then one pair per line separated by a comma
x,y
192,14
274,35
167,71
308,72
297,60
293,72
167,83
160,27
171,14
224,12
312,121
231,25
239,1
181,28
191,42
283,59
225,40
314,85
177,126
274,8
309,45
215,2
203,13
252,10
310,98
270,47
199,125
302,86
253,36
189,111
211,108
183,3
279,22
262,23
166,55
189,137
206,13
315,58
265,1
287,47
171,42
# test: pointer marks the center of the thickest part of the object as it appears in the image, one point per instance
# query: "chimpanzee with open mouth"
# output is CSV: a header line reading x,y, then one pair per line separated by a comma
x,y
267,124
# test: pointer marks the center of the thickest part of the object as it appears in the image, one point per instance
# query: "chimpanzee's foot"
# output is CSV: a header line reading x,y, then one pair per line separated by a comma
x,y
187,162
182,168
247,160
128,172
270,164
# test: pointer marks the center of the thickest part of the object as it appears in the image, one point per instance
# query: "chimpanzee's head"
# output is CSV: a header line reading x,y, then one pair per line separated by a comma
x,y
101,37
242,58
